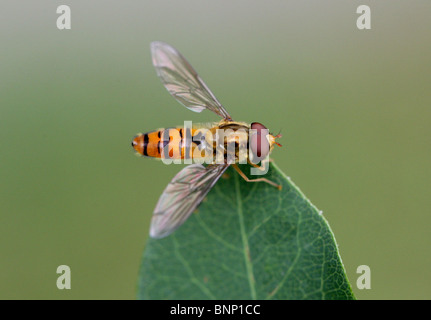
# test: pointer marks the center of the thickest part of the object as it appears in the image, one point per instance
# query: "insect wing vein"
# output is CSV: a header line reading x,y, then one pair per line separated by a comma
x,y
182,196
182,81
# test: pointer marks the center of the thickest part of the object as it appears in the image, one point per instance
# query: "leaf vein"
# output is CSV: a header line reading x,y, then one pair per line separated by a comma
x,y
186,265
246,248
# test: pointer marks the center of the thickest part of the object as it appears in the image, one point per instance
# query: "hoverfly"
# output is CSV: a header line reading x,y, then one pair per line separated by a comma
x,y
189,187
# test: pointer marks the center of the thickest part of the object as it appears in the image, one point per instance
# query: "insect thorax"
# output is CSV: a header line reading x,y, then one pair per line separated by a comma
x,y
226,143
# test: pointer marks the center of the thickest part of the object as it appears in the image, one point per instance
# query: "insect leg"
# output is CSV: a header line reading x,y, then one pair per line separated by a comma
x,y
262,167
255,180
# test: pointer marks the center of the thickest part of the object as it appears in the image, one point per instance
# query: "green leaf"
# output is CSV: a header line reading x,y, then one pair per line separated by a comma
x,y
247,241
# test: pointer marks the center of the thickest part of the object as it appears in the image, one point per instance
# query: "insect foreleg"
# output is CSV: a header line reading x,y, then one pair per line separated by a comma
x,y
264,163
255,180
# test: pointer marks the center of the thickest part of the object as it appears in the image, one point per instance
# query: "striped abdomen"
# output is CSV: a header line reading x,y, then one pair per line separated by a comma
x,y
160,143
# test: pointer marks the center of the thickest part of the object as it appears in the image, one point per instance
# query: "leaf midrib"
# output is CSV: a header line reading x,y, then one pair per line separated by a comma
x,y
246,248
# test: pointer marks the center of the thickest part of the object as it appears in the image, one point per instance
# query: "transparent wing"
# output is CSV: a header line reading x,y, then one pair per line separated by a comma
x,y
182,196
182,81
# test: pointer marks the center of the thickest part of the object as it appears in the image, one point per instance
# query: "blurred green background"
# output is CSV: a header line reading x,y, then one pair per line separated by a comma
x,y
353,107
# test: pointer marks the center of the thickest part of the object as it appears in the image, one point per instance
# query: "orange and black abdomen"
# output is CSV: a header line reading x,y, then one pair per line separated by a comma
x,y
151,144
147,144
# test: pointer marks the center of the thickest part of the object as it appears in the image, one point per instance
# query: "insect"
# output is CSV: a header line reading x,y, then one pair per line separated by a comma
x,y
189,187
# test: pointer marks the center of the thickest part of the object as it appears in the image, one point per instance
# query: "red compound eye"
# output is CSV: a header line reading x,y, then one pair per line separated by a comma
x,y
259,143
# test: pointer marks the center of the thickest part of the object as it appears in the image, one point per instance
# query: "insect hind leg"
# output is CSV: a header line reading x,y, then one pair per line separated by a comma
x,y
242,174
